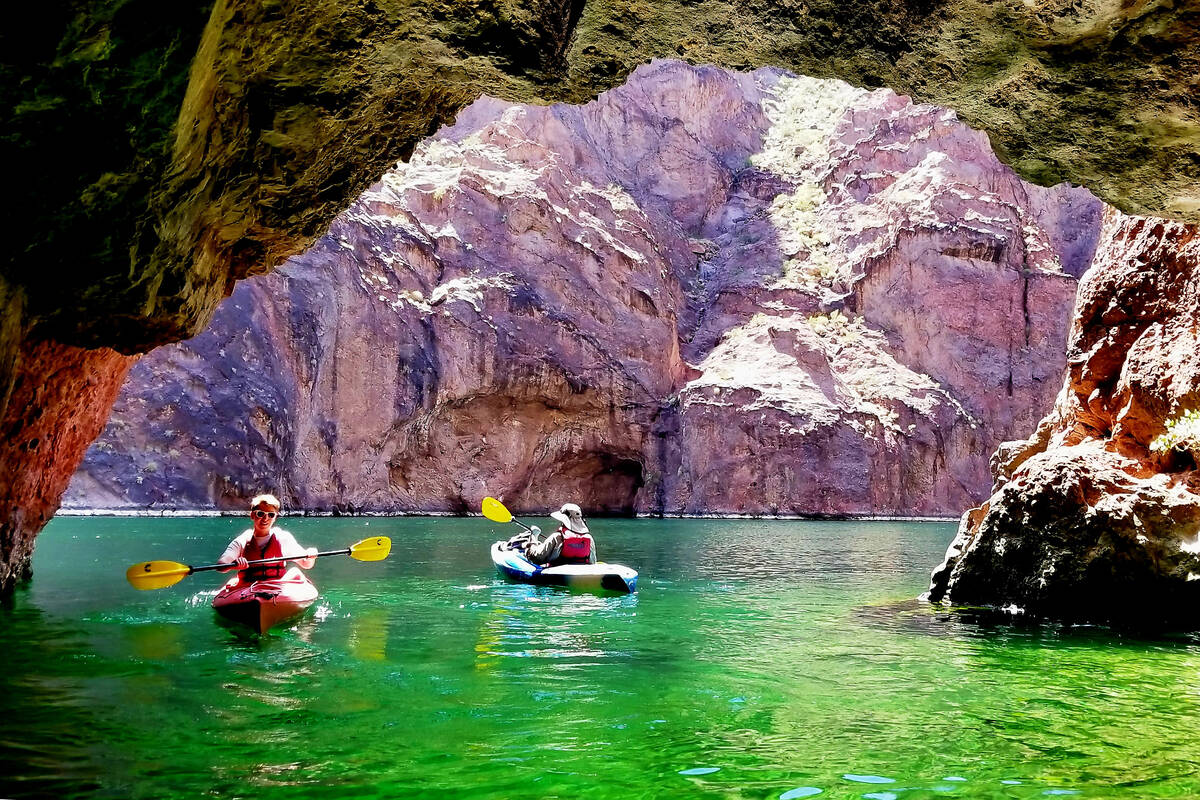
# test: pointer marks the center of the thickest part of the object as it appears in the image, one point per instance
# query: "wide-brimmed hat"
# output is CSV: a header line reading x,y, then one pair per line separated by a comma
x,y
571,516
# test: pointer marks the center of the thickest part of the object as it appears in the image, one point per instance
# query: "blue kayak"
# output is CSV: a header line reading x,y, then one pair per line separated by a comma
x,y
512,564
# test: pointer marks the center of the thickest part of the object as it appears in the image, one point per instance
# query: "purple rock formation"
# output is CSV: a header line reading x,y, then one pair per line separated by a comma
x,y
704,292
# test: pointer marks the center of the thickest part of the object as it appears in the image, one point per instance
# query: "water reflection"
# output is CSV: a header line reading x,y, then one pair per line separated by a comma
x,y
489,645
369,634
155,641
541,622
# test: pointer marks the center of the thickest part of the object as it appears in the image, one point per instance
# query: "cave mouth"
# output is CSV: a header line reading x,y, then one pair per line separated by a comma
x,y
601,482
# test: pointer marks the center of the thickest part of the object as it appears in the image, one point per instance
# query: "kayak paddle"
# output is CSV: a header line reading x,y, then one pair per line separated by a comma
x,y
494,510
161,574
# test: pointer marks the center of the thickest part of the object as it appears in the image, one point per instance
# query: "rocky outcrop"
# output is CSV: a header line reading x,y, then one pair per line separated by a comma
x,y
214,151
59,403
1088,522
703,292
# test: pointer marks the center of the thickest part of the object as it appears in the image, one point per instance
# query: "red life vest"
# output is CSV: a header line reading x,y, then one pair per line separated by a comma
x,y
263,572
576,547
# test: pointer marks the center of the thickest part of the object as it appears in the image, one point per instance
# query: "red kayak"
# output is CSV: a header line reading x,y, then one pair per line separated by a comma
x,y
264,604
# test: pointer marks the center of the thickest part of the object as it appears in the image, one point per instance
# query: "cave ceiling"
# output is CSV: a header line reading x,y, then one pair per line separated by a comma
x,y
158,152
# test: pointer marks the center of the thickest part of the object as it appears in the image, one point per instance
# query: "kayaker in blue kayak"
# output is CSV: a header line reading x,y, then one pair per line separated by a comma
x,y
263,542
572,543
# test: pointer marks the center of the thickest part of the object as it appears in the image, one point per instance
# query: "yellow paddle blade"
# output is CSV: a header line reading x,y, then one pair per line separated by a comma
x,y
494,510
156,574
374,549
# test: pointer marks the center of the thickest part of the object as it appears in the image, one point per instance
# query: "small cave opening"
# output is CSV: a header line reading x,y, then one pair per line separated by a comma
x,y
601,482
1176,459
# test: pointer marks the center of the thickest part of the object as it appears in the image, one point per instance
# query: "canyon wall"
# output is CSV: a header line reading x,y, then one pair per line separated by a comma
x,y
703,292
1088,521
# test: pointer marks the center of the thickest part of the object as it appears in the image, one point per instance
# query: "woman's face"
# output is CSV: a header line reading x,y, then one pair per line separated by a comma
x,y
264,517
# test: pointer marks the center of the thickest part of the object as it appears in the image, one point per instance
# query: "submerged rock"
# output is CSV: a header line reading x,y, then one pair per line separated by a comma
x,y
704,292
1088,521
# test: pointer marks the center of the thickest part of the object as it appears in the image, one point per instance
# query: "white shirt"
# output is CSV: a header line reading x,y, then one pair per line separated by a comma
x,y
288,546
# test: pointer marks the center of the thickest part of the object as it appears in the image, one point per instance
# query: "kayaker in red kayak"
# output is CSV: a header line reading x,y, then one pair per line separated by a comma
x,y
570,544
263,542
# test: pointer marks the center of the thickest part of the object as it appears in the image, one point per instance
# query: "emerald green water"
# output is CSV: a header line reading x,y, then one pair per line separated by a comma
x,y
760,659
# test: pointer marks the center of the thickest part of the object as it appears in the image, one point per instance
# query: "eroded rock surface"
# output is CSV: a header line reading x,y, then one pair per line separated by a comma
x,y
1087,522
222,137
703,292
59,403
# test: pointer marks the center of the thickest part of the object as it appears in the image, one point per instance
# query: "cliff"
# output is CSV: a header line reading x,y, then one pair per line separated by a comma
x,y
702,292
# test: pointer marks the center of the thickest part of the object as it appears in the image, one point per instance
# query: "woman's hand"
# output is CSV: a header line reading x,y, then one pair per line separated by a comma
x,y
309,559
240,564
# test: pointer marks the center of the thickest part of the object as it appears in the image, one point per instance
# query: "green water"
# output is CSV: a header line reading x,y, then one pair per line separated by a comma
x,y
759,659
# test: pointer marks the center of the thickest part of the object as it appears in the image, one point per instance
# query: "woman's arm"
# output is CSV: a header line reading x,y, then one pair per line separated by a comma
x,y
233,553
292,551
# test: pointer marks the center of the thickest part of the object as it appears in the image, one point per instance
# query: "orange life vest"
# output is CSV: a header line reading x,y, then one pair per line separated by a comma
x,y
263,572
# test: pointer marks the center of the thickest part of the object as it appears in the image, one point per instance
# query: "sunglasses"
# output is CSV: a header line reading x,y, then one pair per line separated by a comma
x,y
265,514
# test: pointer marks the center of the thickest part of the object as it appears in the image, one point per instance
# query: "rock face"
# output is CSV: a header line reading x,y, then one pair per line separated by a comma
x,y
53,418
165,152
215,151
703,292
1087,522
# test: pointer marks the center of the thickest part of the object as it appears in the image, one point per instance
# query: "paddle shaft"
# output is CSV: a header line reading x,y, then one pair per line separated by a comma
x,y
161,574
343,552
522,524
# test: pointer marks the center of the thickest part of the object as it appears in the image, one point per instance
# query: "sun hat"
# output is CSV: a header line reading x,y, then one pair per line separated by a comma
x,y
571,516
269,499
